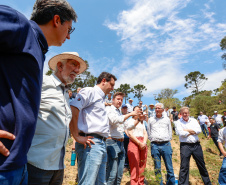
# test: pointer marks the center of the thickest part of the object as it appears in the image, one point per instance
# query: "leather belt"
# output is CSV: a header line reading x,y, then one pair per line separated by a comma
x,y
94,135
116,139
159,142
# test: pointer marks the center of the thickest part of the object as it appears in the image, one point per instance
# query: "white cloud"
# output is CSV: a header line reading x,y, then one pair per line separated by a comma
x,y
214,80
158,38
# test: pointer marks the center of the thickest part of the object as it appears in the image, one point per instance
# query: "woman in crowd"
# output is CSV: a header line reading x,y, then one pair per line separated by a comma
x,y
137,150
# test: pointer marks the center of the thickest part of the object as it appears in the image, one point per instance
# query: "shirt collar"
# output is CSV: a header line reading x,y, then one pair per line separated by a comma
x,y
160,117
56,80
100,92
184,120
41,38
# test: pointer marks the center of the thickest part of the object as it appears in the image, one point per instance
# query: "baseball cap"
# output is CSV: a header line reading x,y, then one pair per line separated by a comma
x,y
124,105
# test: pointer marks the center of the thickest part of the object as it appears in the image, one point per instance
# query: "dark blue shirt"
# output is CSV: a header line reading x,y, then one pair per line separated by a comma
x,y
22,54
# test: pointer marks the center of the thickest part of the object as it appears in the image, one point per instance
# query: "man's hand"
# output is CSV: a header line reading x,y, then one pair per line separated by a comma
x,y
4,134
85,140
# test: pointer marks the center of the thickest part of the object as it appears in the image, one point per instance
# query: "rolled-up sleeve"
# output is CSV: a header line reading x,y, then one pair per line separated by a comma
x,y
113,116
82,100
221,137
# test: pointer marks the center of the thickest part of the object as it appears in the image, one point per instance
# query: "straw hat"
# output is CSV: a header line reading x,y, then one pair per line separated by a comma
x,y
67,56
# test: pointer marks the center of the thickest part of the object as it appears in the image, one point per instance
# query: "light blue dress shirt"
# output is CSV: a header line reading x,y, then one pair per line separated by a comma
x,y
48,145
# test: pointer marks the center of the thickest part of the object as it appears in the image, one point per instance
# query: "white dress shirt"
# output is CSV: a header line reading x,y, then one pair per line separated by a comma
x,y
159,129
48,145
129,107
117,125
222,136
92,116
190,124
217,118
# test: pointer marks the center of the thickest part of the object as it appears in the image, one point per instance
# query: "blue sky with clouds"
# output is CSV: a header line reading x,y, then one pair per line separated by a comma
x,y
150,42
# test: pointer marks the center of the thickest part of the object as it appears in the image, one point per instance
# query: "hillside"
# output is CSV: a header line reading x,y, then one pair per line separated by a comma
x,y
211,155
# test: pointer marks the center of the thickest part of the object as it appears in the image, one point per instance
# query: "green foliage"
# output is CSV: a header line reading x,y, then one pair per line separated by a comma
x,y
171,102
49,72
126,89
138,89
204,104
223,47
167,93
195,81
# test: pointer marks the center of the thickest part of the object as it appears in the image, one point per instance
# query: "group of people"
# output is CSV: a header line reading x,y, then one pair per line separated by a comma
x,y
37,112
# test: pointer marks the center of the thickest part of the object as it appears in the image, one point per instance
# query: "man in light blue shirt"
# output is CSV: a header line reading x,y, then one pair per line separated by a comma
x,y
151,111
46,155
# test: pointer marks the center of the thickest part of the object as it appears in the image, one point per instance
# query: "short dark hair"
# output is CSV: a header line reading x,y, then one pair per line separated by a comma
x,y
45,10
135,107
107,77
118,94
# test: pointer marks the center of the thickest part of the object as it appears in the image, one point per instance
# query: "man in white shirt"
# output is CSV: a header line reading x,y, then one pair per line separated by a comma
x,y
160,135
115,145
217,118
202,119
130,105
46,155
90,126
188,130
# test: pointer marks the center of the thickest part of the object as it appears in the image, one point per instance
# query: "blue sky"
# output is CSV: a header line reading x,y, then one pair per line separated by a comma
x,y
150,42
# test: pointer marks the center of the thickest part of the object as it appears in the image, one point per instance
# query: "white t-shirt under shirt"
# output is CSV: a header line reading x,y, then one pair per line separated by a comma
x,y
138,131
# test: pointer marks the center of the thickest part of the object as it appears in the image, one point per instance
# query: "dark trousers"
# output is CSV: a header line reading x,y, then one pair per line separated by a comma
x,y
37,176
194,149
216,143
126,142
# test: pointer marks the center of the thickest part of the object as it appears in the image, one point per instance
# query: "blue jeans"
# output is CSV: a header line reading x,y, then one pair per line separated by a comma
x,y
164,150
204,129
92,163
222,174
14,177
116,161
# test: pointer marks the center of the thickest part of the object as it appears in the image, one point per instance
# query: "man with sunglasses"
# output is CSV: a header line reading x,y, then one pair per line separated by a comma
x,y
23,45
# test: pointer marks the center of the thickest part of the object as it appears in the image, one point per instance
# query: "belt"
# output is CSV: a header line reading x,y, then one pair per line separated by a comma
x,y
159,142
184,143
121,139
94,135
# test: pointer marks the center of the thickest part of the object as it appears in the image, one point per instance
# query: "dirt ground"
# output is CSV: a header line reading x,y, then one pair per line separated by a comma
x,y
213,164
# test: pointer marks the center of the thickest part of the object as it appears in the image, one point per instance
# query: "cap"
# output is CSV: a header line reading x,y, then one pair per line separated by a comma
x,y
124,105
215,111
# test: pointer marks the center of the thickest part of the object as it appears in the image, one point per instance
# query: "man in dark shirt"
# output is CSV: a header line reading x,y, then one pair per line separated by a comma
x,y
224,118
23,45
214,129
174,118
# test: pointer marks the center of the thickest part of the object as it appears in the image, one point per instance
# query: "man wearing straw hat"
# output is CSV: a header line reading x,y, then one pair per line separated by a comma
x,y
46,155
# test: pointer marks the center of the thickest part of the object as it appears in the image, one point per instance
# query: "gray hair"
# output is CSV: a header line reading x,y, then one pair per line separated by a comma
x,y
183,108
45,10
63,61
159,104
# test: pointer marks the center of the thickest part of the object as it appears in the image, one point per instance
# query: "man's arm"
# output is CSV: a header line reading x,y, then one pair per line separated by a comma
x,y
4,134
74,129
222,148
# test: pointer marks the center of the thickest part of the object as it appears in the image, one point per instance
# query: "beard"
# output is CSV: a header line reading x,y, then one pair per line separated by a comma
x,y
68,79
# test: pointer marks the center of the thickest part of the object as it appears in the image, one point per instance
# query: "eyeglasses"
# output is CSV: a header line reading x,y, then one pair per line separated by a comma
x,y
70,30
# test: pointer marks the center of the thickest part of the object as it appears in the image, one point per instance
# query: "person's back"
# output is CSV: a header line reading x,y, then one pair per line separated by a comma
x,y
23,45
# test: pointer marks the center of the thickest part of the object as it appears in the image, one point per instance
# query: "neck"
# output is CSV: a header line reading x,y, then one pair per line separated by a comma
x,y
48,33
